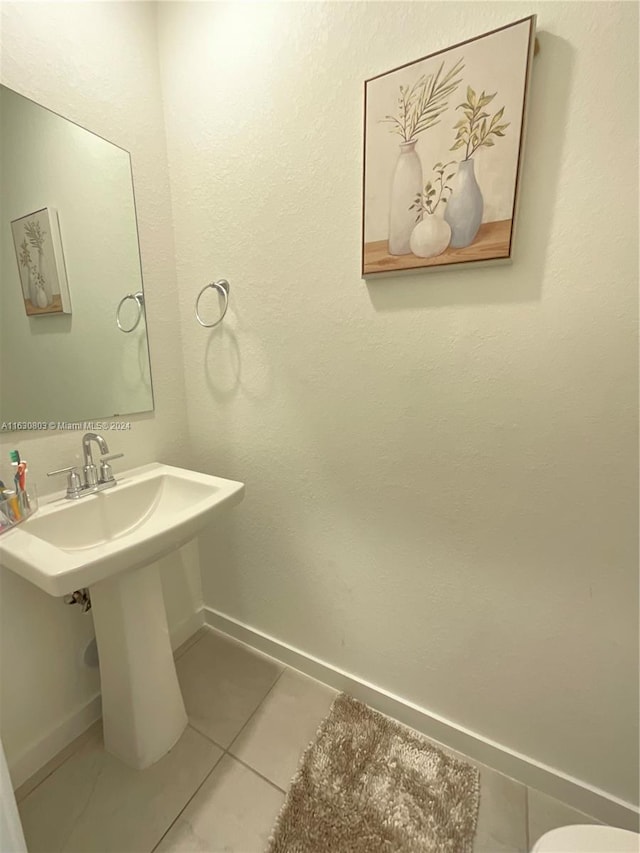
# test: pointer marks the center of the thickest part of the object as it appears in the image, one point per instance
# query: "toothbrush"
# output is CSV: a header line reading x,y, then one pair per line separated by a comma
x,y
13,505
20,478
18,498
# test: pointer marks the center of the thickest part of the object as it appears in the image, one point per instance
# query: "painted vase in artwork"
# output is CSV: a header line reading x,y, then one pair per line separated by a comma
x,y
430,237
44,277
33,292
465,207
406,184
41,298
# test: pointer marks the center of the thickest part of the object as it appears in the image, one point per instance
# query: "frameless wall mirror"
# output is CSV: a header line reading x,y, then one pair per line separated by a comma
x,y
73,347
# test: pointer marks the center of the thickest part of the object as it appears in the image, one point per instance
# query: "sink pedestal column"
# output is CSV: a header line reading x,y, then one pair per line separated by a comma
x,y
142,707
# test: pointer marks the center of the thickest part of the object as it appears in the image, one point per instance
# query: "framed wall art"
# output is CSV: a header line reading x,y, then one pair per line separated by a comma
x,y
443,139
43,277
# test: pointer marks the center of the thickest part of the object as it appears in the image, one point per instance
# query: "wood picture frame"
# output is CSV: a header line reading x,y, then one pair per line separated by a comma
x,y
448,193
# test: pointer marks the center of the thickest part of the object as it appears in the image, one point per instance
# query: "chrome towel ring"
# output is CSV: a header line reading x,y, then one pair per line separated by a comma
x,y
139,300
222,286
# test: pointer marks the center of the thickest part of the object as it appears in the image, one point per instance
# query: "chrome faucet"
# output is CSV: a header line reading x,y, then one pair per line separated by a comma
x,y
93,481
90,471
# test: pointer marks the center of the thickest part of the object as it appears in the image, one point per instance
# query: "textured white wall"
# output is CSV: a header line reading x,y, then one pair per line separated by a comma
x,y
441,470
95,63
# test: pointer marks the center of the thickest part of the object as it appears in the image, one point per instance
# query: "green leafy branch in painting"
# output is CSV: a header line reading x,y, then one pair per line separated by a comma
x,y
25,255
421,105
35,234
39,278
426,201
473,132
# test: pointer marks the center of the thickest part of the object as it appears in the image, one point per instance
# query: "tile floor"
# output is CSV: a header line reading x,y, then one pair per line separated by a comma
x,y
222,785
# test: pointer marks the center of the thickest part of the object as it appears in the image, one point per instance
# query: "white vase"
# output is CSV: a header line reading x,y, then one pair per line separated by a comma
x,y
430,237
41,298
43,277
405,186
33,291
465,206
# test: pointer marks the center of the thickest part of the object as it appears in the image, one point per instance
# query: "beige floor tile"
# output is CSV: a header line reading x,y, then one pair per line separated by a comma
x,y
502,819
234,811
190,641
94,802
40,775
275,737
222,684
75,744
546,813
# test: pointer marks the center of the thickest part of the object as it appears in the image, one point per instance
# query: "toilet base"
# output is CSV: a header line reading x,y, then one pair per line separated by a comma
x,y
588,839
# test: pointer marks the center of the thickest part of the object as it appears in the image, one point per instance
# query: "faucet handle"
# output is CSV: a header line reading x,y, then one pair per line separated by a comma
x,y
106,474
74,484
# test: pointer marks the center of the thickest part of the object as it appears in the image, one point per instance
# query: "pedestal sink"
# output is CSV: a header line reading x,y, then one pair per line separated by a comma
x,y
109,542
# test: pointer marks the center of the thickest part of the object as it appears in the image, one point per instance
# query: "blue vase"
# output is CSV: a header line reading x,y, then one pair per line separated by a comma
x,y
465,206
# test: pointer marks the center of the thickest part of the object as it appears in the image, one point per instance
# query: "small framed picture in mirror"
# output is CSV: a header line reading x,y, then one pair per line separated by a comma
x,y
43,277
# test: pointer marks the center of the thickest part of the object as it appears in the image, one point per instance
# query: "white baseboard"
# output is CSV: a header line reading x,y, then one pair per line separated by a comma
x,y
43,750
576,793
181,632
39,753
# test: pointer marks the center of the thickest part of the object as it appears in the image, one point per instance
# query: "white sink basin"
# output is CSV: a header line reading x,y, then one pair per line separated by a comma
x,y
153,510
109,542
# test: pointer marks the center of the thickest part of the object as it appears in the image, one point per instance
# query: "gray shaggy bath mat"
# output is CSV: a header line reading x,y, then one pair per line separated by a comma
x,y
366,784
